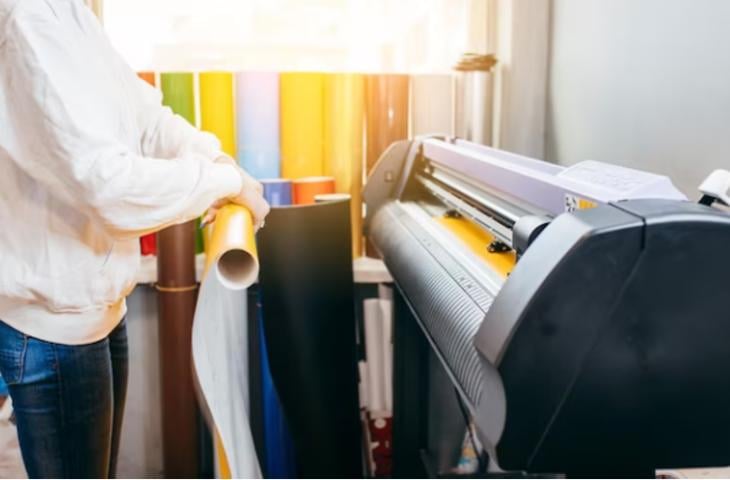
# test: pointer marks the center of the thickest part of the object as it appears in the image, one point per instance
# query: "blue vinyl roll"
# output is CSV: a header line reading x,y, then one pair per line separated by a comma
x,y
279,461
277,191
257,123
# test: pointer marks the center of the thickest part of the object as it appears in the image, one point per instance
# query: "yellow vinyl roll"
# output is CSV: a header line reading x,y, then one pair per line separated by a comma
x,y
216,108
344,117
232,251
224,469
477,240
231,265
302,124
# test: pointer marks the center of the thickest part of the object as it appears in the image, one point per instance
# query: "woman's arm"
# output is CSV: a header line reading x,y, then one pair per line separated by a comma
x,y
58,131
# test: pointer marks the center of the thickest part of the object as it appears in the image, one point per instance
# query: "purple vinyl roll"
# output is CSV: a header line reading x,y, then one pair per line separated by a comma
x,y
277,191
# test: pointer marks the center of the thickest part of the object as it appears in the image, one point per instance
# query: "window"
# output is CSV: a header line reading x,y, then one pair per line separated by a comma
x,y
325,35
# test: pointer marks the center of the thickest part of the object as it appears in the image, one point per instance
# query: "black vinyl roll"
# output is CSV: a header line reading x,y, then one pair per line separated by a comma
x,y
307,297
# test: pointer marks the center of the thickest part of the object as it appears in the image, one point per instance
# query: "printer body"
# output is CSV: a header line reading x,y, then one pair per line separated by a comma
x,y
575,320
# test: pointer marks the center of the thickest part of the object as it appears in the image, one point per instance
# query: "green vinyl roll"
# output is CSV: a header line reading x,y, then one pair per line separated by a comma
x,y
307,296
178,93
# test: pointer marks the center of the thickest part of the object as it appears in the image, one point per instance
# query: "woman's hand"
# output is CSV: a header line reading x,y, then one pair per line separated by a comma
x,y
250,196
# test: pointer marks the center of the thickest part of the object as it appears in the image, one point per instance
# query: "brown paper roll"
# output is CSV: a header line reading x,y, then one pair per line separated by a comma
x,y
386,113
177,294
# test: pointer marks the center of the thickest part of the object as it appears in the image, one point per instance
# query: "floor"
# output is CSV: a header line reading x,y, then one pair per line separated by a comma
x,y
11,465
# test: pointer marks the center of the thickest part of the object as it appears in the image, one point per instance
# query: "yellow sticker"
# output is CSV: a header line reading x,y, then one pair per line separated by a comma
x,y
574,202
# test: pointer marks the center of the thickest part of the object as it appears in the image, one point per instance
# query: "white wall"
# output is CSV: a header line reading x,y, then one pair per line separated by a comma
x,y
140,451
642,83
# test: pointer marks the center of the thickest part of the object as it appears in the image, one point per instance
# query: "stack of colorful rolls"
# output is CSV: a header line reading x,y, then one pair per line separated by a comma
x,y
308,137
323,132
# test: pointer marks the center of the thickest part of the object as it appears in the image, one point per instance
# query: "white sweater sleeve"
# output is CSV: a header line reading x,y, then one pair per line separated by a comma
x,y
61,131
165,134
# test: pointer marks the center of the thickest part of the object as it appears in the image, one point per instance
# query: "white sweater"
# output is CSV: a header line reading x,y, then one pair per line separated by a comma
x,y
89,161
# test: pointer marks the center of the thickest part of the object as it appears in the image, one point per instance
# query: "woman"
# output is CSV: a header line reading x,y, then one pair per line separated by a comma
x,y
89,161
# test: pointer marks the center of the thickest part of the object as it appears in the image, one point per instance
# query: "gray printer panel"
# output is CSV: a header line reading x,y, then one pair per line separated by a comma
x,y
615,356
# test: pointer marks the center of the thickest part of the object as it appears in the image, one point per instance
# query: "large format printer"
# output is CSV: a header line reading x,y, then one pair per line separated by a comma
x,y
578,318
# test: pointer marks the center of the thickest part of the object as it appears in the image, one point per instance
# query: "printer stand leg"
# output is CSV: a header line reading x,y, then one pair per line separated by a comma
x,y
410,376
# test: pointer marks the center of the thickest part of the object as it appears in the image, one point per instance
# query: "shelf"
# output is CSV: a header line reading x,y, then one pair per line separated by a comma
x,y
365,270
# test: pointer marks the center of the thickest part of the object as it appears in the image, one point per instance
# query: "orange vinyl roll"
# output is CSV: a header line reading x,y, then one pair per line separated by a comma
x,y
148,77
344,111
387,113
304,190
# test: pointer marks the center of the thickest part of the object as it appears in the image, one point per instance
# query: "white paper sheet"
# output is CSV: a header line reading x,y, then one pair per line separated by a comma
x,y
220,357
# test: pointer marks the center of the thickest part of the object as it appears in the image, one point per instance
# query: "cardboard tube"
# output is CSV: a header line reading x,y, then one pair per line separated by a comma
x,y
387,113
257,123
232,252
344,117
177,295
216,108
305,189
302,124
148,243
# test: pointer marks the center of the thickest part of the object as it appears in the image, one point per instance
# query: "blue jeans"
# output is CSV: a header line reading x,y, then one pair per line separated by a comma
x,y
68,402
3,387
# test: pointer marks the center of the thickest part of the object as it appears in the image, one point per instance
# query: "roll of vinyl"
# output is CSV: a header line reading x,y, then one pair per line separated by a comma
x,y
257,123
307,293
344,120
432,104
305,189
386,314
148,77
199,237
148,243
474,98
177,293
331,197
387,113
232,252
277,191
217,117
302,124
375,356
216,108
178,93
220,341
279,460
363,391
